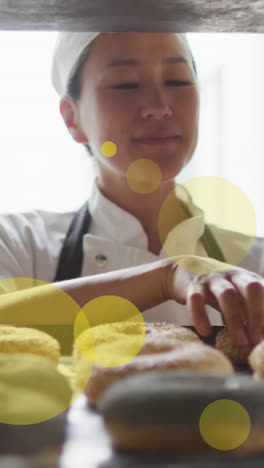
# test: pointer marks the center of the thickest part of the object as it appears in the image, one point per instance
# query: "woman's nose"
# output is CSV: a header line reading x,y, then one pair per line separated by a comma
x,y
157,106
159,113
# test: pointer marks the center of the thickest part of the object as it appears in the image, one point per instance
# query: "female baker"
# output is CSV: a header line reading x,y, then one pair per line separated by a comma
x,y
138,91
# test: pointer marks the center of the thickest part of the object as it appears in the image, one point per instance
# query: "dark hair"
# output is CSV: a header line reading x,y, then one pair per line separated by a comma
x,y
74,84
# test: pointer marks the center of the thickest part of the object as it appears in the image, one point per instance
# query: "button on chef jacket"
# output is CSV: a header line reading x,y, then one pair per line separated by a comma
x,y
30,245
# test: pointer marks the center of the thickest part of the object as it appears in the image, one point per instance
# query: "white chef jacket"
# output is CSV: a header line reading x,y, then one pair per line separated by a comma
x,y
30,245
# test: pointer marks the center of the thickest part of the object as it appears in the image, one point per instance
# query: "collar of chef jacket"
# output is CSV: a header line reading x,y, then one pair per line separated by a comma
x,y
181,239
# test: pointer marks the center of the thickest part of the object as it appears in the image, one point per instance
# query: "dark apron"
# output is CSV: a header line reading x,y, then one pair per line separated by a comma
x,y
71,261
69,267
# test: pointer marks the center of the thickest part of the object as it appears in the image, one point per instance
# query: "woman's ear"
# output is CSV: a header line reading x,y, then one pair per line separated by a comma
x,y
68,110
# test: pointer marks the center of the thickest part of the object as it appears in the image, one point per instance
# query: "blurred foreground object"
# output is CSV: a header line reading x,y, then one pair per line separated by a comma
x,y
133,15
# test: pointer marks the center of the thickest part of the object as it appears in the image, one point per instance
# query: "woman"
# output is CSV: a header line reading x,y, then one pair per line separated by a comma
x,y
129,89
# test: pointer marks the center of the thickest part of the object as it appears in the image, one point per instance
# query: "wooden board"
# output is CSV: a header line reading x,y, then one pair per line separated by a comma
x,y
133,15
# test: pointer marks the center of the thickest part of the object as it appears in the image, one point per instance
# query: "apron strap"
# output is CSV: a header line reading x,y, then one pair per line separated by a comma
x,y
209,241
69,266
211,246
71,256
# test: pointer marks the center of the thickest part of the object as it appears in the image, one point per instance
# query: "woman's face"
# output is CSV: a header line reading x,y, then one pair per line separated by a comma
x,y
155,92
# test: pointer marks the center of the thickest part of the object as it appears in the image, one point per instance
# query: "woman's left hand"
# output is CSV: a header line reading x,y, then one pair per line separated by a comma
x,y
236,292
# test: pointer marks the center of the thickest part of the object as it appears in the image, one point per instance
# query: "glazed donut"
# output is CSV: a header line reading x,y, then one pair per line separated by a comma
x,y
256,360
159,336
195,357
237,355
159,412
28,340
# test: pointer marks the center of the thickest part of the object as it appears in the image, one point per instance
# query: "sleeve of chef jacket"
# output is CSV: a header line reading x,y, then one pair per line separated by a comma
x,y
30,244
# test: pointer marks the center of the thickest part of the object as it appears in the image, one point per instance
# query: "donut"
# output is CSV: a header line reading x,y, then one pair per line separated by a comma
x,y
237,355
30,384
192,356
100,335
256,360
159,337
162,336
159,412
28,340
34,442
170,330
34,398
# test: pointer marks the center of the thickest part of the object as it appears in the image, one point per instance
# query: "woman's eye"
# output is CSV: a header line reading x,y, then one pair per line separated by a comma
x,y
135,85
125,86
179,83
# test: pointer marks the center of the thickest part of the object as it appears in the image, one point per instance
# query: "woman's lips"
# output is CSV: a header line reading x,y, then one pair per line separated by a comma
x,y
157,141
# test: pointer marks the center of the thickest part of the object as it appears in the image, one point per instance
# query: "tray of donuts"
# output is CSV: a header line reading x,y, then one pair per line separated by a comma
x,y
176,395
162,375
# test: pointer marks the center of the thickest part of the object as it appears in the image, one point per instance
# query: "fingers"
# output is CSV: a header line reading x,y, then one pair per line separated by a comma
x,y
237,293
251,289
255,300
240,295
230,304
195,303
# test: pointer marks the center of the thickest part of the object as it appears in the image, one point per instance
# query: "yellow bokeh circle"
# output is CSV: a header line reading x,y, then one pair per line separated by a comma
x,y
224,424
36,317
224,204
143,176
211,201
119,336
108,149
32,390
